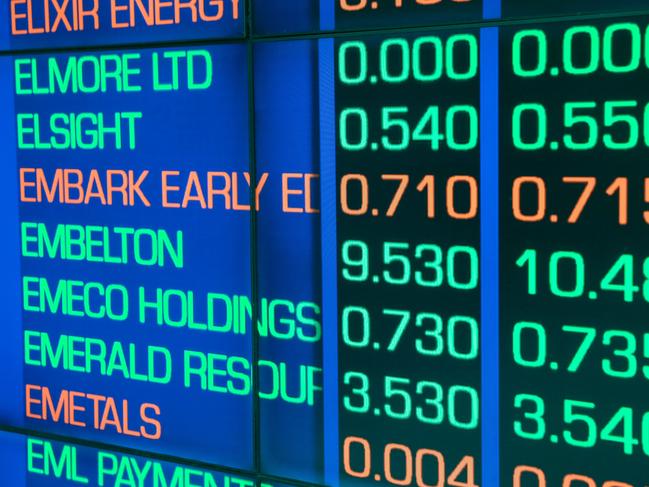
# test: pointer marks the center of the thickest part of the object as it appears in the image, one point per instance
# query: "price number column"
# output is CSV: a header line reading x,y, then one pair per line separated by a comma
x,y
575,267
408,251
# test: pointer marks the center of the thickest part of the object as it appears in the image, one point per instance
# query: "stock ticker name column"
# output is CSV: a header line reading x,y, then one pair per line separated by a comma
x,y
135,195
134,246
574,269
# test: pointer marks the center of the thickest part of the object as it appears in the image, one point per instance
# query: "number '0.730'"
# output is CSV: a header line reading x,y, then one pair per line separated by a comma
x,y
435,336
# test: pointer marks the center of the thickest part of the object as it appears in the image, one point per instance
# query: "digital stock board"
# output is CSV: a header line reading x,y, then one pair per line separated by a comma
x,y
324,243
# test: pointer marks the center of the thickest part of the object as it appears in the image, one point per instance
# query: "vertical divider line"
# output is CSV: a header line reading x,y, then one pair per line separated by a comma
x,y
254,286
329,207
490,257
491,9
12,385
327,15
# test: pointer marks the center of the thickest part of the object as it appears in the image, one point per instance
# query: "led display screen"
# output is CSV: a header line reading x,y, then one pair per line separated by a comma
x,y
344,243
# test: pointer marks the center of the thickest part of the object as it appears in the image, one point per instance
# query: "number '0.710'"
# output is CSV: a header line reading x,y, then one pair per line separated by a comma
x,y
461,196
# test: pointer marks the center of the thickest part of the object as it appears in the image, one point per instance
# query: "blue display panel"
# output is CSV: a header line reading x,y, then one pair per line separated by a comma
x,y
4,29
34,24
410,256
288,243
285,16
135,257
37,462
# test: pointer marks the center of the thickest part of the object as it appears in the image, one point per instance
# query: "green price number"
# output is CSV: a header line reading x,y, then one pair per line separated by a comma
x,y
423,60
585,49
458,126
457,336
581,426
400,264
404,399
621,349
618,125
567,276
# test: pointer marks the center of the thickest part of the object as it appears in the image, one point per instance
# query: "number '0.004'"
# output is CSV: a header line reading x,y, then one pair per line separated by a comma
x,y
462,475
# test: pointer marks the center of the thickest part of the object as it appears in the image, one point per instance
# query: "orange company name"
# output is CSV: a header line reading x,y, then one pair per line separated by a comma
x,y
85,410
179,189
44,16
